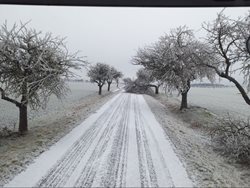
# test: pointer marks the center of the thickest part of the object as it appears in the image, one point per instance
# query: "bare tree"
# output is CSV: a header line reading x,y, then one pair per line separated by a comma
x,y
99,74
174,60
32,67
227,38
113,74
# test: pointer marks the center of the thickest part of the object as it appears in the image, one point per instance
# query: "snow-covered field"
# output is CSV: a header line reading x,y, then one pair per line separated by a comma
x,y
220,101
79,90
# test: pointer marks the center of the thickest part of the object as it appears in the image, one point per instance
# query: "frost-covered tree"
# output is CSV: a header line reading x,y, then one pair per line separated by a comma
x,y
174,60
127,81
244,26
145,77
113,74
99,74
117,77
32,67
141,83
227,38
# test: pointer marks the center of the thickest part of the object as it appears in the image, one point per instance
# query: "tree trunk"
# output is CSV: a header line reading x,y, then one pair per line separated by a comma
x,y
157,89
23,113
184,96
184,100
109,83
23,119
117,83
100,89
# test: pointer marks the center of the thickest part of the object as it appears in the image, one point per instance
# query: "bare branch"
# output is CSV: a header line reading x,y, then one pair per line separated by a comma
x,y
8,99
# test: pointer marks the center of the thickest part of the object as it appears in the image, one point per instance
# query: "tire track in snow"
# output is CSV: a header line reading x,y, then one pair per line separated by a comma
x,y
169,169
115,173
87,175
162,161
146,166
61,172
156,148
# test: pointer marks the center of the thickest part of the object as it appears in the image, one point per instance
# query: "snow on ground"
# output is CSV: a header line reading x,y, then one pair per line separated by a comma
x,y
122,144
189,130
220,101
17,152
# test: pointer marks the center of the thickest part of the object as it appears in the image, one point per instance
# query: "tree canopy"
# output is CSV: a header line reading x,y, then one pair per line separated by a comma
x,y
113,74
174,58
99,74
33,66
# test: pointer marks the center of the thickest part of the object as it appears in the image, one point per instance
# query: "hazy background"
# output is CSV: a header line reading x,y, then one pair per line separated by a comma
x,y
111,35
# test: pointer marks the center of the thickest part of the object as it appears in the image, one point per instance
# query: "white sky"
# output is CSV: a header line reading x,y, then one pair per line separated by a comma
x,y
111,35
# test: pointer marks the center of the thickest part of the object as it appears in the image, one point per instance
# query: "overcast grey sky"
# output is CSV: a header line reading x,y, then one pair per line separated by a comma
x,y
110,35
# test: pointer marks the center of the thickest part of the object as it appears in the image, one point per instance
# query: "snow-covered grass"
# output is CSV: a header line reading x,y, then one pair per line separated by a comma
x,y
79,90
232,139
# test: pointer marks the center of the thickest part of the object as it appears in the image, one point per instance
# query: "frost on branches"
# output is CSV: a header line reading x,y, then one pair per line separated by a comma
x,y
99,74
228,38
113,74
33,66
174,59
147,79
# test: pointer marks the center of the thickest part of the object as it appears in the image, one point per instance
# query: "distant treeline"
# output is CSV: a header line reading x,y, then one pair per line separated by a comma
x,y
208,85
76,80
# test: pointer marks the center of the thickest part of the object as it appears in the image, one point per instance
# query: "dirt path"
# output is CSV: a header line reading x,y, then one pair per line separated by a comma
x,y
122,144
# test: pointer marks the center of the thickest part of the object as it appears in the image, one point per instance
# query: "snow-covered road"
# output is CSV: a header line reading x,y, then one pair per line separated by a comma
x,y
121,145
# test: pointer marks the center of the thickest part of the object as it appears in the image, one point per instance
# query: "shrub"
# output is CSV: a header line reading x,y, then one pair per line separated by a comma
x,y
232,138
5,132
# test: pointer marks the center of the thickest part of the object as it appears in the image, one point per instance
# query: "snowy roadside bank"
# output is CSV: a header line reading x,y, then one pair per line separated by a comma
x,y
188,131
17,152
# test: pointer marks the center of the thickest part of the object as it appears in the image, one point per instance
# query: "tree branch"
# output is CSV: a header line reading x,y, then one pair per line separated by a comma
x,y
247,44
227,61
237,84
9,99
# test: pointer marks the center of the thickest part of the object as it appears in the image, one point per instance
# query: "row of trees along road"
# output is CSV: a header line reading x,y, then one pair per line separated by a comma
x,y
178,58
102,73
32,67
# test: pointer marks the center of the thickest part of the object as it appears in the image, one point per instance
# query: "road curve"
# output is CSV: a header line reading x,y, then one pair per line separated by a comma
x,y
121,145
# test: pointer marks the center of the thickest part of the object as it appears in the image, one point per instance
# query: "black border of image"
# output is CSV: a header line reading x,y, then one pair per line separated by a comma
x,y
134,3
